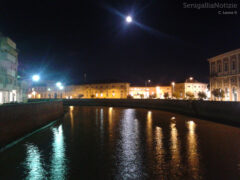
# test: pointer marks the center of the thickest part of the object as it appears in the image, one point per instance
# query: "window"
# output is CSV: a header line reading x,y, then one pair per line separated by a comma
x,y
233,65
225,67
239,62
219,66
213,67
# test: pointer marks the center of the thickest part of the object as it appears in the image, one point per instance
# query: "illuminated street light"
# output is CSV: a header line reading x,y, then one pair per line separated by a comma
x,y
173,84
49,89
61,87
191,78
58,84
35,78
128,19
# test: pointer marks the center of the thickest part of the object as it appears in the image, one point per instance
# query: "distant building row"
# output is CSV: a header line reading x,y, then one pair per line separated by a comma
x,y
117,91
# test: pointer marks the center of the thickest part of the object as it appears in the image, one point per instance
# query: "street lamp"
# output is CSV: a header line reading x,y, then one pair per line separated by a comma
x,y
129,19
58,84
173,84
36,78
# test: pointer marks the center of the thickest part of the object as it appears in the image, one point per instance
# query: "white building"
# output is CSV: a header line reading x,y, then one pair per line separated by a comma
x,y
9,89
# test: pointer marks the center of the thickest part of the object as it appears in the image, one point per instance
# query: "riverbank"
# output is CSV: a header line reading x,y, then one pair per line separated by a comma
x,y
218,111
17,120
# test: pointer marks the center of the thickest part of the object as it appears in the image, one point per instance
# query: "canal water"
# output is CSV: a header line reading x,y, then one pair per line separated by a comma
x,y
124,143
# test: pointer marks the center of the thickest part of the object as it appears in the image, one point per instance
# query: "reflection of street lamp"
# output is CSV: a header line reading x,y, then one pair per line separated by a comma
x,y
173,84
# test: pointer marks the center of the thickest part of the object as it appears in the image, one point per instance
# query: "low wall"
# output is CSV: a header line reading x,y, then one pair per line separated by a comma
x,y
19,119
220,111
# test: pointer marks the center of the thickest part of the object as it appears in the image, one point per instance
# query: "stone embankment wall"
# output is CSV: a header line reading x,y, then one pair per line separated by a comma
x,y
226,112
17,120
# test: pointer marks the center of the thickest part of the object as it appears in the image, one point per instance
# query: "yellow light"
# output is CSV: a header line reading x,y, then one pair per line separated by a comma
x,y
173,83
172,118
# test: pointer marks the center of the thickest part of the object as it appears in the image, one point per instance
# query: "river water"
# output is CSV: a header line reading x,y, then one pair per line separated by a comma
x,y
125,143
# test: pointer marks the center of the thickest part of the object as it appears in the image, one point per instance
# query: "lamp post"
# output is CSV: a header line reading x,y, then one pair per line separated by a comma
x,y
173,85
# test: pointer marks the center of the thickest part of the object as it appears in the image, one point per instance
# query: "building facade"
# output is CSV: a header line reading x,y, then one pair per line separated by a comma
x,y
189,86
9,89
99,90
225,74
144,92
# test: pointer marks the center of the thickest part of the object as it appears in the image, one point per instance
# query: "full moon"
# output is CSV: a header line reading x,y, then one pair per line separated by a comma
x,y
129,19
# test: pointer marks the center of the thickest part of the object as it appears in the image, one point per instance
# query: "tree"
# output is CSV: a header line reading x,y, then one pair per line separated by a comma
x,y
176,95
166,95
189,95
80,95
202,95
152,96
218,93
129,96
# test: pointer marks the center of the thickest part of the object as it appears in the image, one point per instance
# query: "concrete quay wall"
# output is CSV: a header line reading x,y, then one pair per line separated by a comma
x,y
219,111
17,120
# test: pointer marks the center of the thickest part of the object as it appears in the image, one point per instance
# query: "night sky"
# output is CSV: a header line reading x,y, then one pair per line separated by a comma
x,y
64,40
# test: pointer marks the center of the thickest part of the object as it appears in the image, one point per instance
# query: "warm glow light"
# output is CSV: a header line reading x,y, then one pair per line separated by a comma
x,y
129,19
172,118
191,78
173,83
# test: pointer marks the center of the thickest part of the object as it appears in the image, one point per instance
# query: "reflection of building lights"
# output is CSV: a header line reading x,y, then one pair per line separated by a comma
x,y
58,161
71,107
149,129
193,155
33,163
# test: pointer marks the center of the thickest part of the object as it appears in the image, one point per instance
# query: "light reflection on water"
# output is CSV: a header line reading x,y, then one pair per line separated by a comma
x,y
175,148
160,153
58,160
120,143
129,152
193,156
33,163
